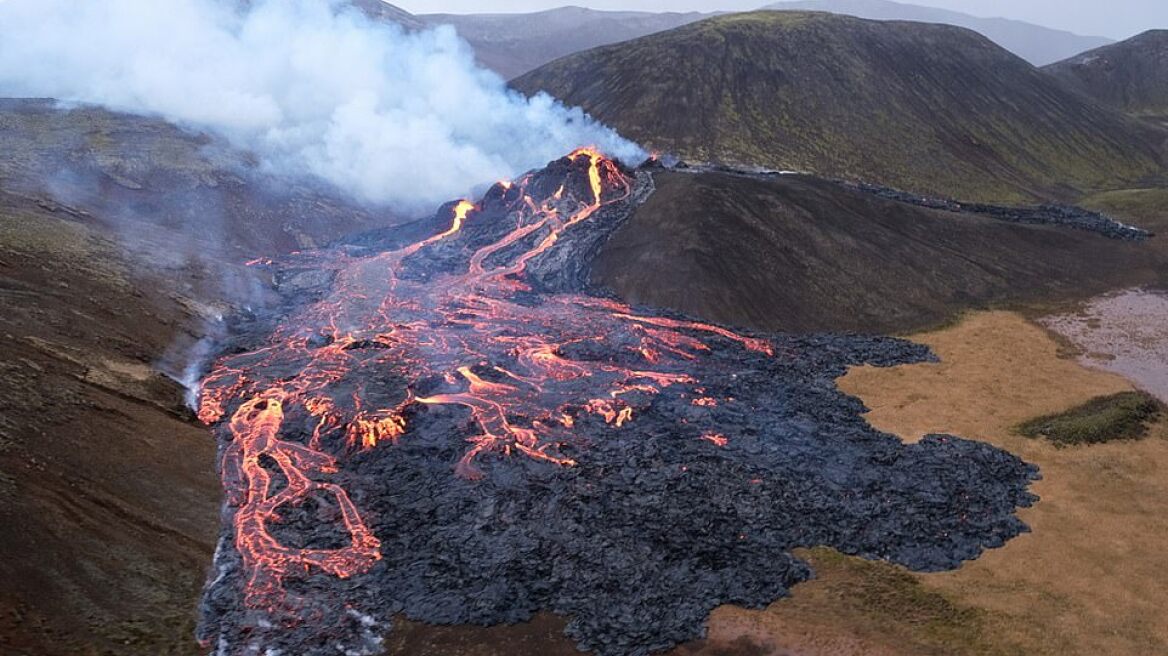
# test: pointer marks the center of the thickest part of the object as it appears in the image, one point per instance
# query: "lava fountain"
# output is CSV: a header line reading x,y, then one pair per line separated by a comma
x,y
442,430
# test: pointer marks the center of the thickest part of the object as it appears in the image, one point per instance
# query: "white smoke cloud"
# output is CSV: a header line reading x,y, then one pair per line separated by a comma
x,y
312,86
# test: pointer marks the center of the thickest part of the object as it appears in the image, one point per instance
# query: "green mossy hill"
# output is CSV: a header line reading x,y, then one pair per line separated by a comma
x,y
1120,416
929,108
1131,75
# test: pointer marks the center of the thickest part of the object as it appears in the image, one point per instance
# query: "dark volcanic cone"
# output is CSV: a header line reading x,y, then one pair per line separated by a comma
x,y
458,430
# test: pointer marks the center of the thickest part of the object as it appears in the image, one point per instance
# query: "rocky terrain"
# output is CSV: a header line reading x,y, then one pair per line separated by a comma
x,y
111,297
944,110
995,370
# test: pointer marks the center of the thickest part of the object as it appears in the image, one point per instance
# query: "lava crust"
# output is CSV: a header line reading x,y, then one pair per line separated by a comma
x,y
458,431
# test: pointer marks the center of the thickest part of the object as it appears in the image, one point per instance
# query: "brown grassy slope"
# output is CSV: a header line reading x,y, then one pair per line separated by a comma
x,y
1131,75
929,108
1088,580
108,493
796,253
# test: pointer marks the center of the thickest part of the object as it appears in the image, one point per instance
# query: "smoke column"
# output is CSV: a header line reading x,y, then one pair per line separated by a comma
x,y
311,86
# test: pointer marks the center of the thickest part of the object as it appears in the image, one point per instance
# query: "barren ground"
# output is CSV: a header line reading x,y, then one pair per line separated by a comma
x,y
108,494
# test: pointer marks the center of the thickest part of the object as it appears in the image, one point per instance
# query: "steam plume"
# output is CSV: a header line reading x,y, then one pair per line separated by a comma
x,y
312,86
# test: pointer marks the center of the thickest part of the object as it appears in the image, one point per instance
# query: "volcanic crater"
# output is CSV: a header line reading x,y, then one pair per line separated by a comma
x,y
448,423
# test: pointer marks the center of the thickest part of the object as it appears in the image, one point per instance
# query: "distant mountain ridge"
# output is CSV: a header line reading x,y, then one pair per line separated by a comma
x,y
378,10
1131,75
929,108
513,44
1037,44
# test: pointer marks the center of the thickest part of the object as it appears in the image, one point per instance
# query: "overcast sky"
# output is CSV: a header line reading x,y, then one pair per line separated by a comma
x,y
1117,19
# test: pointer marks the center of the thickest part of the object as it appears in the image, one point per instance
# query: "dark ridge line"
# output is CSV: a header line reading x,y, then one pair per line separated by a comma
x,y
1068,216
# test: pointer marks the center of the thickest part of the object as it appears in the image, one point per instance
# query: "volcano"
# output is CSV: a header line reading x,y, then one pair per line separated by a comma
x,y
932,109
449,423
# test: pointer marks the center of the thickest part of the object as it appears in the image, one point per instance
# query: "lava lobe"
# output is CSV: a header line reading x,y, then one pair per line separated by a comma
x,y
459,430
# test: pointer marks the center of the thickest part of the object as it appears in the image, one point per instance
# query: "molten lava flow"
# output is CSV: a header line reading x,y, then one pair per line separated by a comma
x,y
717,439
256,427
453,320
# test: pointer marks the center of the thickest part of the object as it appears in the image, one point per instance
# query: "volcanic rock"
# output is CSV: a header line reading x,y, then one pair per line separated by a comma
x,y
520,442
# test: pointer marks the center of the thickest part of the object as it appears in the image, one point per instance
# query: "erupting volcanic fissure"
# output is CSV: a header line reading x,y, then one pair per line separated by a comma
x,y
438,332
339,433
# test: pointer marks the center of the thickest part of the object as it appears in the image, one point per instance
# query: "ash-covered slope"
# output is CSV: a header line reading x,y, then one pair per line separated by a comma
x,y
1131,75
927,108
456,430
793,252
1036,44
513,44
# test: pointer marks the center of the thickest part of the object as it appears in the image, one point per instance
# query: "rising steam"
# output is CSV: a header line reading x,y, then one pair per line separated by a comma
x,y
312,86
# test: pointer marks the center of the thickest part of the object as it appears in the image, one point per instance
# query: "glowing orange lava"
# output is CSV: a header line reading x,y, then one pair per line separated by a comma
x,y
347,375
717,439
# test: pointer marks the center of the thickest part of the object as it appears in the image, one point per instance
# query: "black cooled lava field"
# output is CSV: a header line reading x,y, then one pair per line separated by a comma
x,y
459,430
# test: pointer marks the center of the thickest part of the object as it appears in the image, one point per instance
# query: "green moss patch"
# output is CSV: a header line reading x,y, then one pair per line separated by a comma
x,y
869,598
1122,416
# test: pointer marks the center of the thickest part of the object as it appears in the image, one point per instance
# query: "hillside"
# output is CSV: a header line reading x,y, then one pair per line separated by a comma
x,y
513,44
1036,44
138,175
1131,75
121,239
796,253
107,486
930,108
